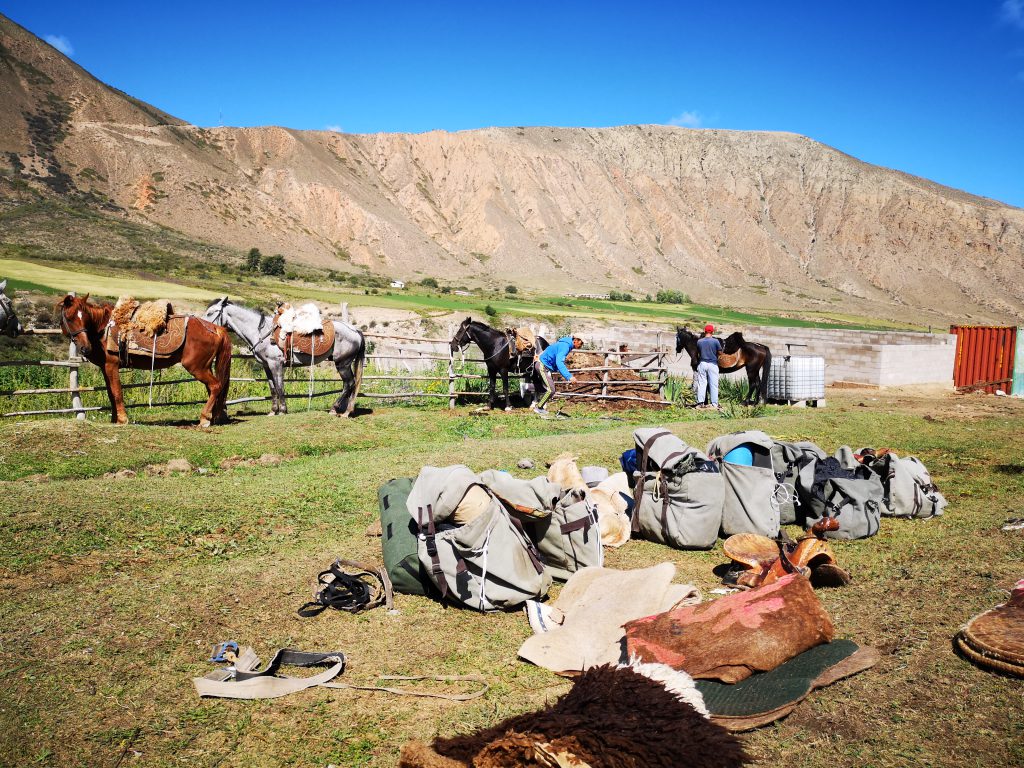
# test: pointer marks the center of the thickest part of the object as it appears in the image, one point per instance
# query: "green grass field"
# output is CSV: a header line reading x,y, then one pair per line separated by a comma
x,y
115,591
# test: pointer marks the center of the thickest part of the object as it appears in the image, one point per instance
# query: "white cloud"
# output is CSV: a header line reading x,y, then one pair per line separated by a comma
x,y
61,43
692,119
335,128
1012,12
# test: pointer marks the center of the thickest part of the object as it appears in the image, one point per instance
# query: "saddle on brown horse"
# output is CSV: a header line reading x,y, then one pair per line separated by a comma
x,y
150,329
313,344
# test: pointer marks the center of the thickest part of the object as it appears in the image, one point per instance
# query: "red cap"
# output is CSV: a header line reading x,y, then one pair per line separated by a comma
x,y
709,328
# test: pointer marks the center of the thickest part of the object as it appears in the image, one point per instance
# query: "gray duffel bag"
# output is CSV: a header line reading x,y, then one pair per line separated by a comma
x,y
856,503
677,492
794,471
561,523
488,563
750,505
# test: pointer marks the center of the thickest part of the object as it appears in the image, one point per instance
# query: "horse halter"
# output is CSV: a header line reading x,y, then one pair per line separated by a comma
x,y
461,339
66,326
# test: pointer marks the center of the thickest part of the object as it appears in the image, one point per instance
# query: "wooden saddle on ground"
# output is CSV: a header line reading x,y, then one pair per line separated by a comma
x,y
763,560
150,329
293,341
995,638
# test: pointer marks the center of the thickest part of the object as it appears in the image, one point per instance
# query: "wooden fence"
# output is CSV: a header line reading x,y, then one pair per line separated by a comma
x,y
650,361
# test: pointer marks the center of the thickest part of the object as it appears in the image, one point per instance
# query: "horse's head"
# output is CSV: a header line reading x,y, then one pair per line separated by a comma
x,y
462,339
215,313
9,323
684,339
76,320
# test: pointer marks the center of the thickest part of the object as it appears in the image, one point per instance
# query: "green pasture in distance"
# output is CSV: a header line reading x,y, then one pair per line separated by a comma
x,y
66,280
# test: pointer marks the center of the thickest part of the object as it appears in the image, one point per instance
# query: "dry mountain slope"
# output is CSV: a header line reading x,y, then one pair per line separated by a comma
x,y
749,219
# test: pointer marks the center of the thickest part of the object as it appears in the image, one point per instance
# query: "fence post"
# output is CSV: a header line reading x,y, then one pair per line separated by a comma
x,y
76,396
451,378
604,375
662,370
344,312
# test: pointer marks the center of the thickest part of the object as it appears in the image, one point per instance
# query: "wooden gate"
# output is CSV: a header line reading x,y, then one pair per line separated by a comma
x,y
984,357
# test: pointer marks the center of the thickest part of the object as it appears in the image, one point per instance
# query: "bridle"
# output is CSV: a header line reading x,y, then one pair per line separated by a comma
x,y
65,326
261,337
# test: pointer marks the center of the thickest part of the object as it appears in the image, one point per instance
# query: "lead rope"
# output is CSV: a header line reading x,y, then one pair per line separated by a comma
x,y
152,366
483,568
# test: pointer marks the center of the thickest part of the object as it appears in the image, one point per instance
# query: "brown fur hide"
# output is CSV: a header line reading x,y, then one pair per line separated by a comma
x,y
612,718
149,318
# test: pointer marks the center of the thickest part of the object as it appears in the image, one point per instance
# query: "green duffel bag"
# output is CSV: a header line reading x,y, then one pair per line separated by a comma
x,y
399,539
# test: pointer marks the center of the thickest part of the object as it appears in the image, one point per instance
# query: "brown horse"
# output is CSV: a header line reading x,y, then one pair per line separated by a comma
x,y
754,358
205,345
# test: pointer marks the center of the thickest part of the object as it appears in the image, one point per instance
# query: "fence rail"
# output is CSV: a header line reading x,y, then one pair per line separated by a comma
x,y
649,362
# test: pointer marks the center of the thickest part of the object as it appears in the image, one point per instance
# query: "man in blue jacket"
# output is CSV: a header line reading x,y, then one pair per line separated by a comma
x,y
706,376
551,359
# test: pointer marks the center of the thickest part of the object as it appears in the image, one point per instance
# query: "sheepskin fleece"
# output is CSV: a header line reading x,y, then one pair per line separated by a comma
x,y
149,318
611,510
613,717
564,471
303,320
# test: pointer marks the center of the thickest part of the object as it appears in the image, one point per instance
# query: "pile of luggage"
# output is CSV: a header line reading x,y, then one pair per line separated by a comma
x,y
491,541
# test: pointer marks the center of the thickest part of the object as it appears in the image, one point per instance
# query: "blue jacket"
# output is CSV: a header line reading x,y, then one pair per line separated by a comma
x,y
554,356
709,347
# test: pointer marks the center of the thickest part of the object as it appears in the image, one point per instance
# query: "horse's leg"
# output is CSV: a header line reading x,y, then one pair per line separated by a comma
x,y
752,383
274,363
492,374
349,379
275,400
112,373
504,381
200,370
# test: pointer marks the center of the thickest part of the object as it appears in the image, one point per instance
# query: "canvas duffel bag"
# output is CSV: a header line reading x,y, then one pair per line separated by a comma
x,y
563,525
488,563
854,497
907,487
794,471
399,539
677,492
750,505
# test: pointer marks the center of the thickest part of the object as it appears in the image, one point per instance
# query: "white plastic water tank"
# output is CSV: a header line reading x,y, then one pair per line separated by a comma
x,y
797,377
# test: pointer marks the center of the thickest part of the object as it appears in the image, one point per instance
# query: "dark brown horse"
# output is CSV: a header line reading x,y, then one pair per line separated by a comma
x,y
736,353
499,355
205,345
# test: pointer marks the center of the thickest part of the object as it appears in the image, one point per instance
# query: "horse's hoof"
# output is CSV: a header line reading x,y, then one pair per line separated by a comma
x,y
204,423
508,408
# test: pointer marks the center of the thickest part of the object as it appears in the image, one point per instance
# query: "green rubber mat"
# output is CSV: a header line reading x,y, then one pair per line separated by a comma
x,y
767,691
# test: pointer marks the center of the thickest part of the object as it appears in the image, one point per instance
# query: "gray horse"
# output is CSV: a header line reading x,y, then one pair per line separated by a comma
x,y
9,323
255,329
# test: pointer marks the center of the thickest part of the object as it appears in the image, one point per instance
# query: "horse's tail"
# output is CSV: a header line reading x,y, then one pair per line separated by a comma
x,y
357,365
766,369
222,368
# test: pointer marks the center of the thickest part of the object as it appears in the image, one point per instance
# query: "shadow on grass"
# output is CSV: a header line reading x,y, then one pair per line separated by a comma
x,y
1010,469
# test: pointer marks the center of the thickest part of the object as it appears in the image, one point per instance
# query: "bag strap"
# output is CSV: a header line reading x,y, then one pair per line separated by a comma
x,y
531,550
429,533
350,591
641,466
248,684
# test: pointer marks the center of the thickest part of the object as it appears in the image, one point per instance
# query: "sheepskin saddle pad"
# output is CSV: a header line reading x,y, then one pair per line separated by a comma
x,y
995,638
149,328
300,330
641,716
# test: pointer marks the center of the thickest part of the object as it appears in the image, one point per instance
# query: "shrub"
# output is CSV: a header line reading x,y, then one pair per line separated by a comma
x,y
253,260
428,282
272,265
490,311
511,289
672,297
620,296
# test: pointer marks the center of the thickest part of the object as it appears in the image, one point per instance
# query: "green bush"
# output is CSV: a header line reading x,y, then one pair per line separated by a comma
x,y
428,282
672,297
511,289
272,265
620,296
490,311
253,260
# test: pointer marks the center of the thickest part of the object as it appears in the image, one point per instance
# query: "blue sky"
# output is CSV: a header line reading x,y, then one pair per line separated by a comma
x,y
935,89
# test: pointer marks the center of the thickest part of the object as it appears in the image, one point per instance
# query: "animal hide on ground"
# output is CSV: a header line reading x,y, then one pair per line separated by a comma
x,y
734,636
611,509
304,320
564,471
613,717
